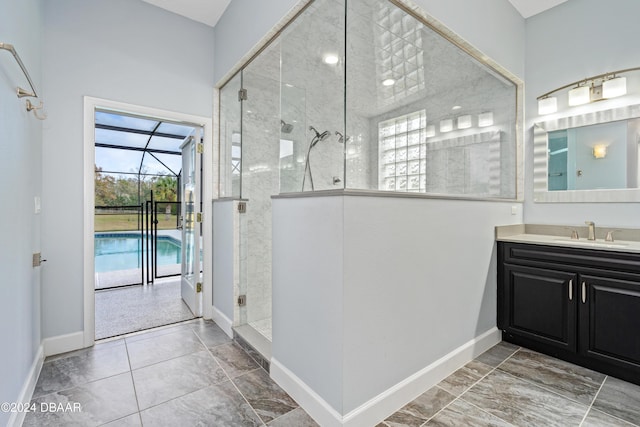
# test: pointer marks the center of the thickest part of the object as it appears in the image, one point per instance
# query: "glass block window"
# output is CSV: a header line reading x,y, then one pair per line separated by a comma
x,y
402,153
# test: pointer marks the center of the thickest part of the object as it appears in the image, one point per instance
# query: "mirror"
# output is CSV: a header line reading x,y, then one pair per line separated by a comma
x,y
593,157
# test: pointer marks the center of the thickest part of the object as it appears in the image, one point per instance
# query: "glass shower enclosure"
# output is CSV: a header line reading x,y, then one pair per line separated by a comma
x,y
359,95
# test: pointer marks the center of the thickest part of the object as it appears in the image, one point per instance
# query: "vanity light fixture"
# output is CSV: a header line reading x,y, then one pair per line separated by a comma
x,y
547,105
464,122
596,88
485,119
614,87
446,125
600,151
579,95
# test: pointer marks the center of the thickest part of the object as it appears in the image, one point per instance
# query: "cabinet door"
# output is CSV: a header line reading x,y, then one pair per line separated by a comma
x,y
540,305
609,313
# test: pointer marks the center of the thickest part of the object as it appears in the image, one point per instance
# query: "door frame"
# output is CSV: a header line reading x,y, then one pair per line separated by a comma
x,y
209,191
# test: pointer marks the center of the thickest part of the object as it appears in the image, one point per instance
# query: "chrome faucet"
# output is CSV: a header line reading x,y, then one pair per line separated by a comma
x,y
592,230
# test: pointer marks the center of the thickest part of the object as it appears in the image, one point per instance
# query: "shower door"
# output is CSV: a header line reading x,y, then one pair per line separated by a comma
x,y
191,260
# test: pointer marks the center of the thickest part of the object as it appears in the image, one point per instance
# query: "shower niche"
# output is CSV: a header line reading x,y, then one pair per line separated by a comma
x,y
356,95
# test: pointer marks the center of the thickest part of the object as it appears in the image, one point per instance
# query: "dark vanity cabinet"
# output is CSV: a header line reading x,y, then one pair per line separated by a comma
x,y
580,305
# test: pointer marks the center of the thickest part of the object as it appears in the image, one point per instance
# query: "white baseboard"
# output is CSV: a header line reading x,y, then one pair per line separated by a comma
x,y
17,418
223,321
308,399
392,399
63,343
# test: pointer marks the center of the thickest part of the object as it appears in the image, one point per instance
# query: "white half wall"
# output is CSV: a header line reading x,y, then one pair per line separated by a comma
x,y
370,291
308,271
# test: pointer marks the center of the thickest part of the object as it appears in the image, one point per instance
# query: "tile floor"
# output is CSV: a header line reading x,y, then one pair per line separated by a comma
x,y
184,375
192,374
513,386
124,310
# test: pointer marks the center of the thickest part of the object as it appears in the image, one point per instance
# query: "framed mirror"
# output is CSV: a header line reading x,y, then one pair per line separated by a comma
x,y
592,157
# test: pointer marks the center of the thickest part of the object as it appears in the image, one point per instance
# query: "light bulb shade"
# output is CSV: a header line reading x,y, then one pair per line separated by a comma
x,y
446,125
547,105
600,151
579,95
464,122
614,87
430,131
485,119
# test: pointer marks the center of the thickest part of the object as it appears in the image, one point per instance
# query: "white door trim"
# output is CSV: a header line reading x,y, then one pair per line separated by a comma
x,y
90,105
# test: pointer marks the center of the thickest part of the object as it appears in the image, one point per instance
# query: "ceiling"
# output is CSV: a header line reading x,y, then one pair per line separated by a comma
x,y
529,8
209,11
205,11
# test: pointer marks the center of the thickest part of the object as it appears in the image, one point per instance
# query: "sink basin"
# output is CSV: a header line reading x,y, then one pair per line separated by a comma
x,y
592,243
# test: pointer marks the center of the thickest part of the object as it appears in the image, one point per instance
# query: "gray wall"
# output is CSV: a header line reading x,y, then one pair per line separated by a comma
x,y
120,50
20,181
241,26
501,35
572,41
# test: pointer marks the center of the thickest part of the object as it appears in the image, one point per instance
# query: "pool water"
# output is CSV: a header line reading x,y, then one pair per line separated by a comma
x,y
124,252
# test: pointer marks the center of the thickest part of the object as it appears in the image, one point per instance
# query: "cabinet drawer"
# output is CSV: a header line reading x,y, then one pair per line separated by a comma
x,y
582,259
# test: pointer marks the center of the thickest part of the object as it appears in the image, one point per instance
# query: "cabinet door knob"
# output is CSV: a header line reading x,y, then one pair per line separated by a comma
x,y
570,289
584,292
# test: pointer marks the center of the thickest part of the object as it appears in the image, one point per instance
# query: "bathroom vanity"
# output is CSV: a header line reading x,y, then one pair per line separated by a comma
x,y
576,300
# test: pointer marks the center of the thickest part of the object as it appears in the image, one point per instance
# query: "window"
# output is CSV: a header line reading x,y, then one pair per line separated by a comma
x,y
402,153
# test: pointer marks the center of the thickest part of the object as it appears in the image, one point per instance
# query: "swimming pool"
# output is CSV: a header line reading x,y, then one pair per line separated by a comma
x,y
124,251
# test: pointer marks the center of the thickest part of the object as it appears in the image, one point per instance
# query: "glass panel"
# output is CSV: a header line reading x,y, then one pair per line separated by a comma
x,y
175,129
312,95
124,121
260,155
393,116
118,160
122,139
230,138
151,165
164,143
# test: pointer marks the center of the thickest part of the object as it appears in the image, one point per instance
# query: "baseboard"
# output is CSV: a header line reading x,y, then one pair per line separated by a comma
x,y
392,399
17,418
63,343
309,400
223,321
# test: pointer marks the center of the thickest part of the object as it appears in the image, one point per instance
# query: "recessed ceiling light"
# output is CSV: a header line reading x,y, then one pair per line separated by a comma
x,y
388,82
331,59
456,107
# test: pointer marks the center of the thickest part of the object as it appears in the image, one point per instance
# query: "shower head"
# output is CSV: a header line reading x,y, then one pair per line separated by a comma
x,y
319,137
342,138
285,127
315,131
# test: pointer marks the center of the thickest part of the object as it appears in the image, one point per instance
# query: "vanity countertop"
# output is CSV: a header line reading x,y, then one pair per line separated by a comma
x,y
626,240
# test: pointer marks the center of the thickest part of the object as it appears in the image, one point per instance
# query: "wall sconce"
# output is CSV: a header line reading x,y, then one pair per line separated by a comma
x,y
596,88
600,151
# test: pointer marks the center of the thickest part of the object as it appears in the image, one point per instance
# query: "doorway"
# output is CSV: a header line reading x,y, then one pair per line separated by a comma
x,y
147,238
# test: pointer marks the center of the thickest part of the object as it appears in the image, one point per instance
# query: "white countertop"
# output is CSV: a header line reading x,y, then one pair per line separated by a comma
x,y
552,240
559,236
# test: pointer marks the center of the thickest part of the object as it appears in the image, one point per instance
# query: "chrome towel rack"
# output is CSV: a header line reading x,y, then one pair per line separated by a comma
x,y
20,92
